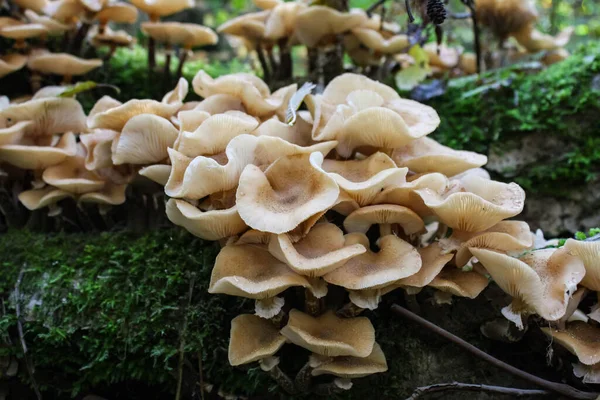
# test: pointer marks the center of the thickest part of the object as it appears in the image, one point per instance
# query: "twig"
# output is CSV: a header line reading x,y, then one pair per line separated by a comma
x,y
182,341
28,363
470,4
565,390
411,17
455,386
374,6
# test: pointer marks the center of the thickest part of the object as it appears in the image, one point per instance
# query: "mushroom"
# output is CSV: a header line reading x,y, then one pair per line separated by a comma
x,y
433,261
252,339
219,104
534,40
581,339
52,26
385,215
109,195
589,254
330,335
299,133
316,24
11,63
34,5
35,157
540,282
98,148
111,39
72,176
375,41
352,367
62,64
36,199
21,32
115,118
118,12
455,282
588,373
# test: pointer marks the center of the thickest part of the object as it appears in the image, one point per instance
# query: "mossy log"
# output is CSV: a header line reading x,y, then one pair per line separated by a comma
x,y
103,314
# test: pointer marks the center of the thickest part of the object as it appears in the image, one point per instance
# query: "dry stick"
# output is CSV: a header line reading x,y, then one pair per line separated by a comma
x,y
263,63
36,389
559,388
183,55
471,6
182,342
455,386
374,6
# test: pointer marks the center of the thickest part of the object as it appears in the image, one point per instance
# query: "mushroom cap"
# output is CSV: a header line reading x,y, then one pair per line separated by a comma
x,y
281,22
330,335
321,251
62,64
252,338
442,56
534,40
362,219
589,254
433,261
317,22
144,140
250,26
460,283
207,225
482,205
251,271
354,367
72,176
14,133
158,173
40,198
10,63
291,190
23,31
8,21
64,10
178,33
115,118
426,155
375,41
104,104
109,195
589,373
299,133
219,104
51,25
581,339
39,157
110,38
162,8
178,94
34,5
364,179
468,63
395,260
542,279
98,148
94,5
340,87
267,4
50,116
119,12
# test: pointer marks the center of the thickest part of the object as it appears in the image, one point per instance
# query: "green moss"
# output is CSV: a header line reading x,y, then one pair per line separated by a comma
x,y
561,101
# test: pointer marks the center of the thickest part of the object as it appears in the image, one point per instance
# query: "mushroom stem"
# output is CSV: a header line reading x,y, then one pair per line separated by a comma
x,y
183,55
337,386
385,229
349,310
271,365
167,67
411,303
151,54
263,62
278,319
77,43
285,61
109,55
303,380
272,61
67,79
312,304
36,81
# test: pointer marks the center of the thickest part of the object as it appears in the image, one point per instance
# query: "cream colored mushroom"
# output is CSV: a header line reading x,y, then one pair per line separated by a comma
x,y
433,261
589,254
22,31
11,63
455,282
115,118
72,176
34,5
385,215
158,173
62,64
52,26
161,8
281,22
178,94
251,339
581,339
219,104
180,34
39,157
353,367
39,198
375,41
118,12
316,23
109,195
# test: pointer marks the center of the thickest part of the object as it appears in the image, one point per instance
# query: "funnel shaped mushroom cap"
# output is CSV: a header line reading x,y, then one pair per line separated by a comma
x,y
178,94
51,25
62,64
219,104
376,42
250,271
162,8
543,280
252,338
50,116
322,250
364,179
341,86
10,63
362,219
98,148
39,157
534,40
23,31
115,118
157,173
14,133
354,367
209,225
317,22
426,155
395,260
118,12
180,34
483,204
249,26
281,22
72,176
144,140
289,192
109,195
35,5
402,195
40,198
330,335
104,104
459,283
589,254
581,339
433,260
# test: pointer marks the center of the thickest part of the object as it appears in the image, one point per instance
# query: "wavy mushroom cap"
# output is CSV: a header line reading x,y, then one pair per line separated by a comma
x,y
442,56
180,34
542,280
178,94
364,179
158,173
376,42
252,338
290,191
188,121
11,63
426,155
39,157
505,236
299,133
110,195
40,198
588,373
162,8
62,64
249,26
118,12
23,31
362,219
267,4
468,63
281,22
143,140
252,91
251,271
589,254
316,23
104,104
219,104
207,225
354,367
110,38
34,5
481,205
14,133
64,10
321,251
534,40
581,339
396,259
433,261
98,146
340,87
53,26
460,283
403,195
330,335
72,176
115,118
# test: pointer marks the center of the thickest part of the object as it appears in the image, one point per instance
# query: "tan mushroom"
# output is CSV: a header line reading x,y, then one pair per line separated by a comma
x,y
158,173
104,104
534,40
109,195
589,254
161,8
11,63
433,261
321,251
384,214
252,338
34,5
455,282
68,11
98,148
118,12
330,335
39,198
52,26
299,133
315,24
178,94
267,4
353,367
115,118
180,34
72,176
14,133
581,339
39,157
21,32
281,22
588,373
375,41
219,104
62,64
441,56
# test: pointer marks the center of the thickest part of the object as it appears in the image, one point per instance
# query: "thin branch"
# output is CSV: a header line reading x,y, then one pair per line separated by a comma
x,y
28,363
470,4
374,6
182,341
456,386
565,390
411,17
